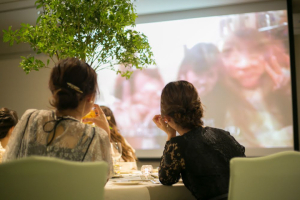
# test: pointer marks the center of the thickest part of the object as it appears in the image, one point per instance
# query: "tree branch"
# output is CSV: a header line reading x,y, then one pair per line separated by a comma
x,y
57,55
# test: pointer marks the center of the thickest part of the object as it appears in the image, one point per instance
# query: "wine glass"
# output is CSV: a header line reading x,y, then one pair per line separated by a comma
x,y
146,170
116,153
116,150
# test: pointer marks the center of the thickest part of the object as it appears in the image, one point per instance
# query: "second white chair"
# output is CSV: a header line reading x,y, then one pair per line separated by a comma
x,y
273,177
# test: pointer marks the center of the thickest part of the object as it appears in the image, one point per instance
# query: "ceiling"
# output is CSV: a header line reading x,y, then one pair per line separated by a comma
x,y
159,6
144,7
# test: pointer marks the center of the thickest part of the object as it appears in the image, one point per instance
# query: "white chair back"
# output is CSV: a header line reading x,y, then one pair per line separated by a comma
x,y
273,177
51,178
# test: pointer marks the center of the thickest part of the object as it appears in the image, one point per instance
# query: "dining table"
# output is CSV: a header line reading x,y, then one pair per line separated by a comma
x,y
133,187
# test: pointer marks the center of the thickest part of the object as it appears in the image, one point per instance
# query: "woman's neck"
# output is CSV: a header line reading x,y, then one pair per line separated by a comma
x,y
71,113
76,113
182,131
179,129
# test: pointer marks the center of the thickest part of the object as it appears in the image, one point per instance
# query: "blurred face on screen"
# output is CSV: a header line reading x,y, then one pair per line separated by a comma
x,y
200,67
146,92
204,82
244,61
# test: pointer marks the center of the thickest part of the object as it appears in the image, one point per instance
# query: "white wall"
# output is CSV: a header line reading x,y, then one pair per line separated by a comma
x,y
20,91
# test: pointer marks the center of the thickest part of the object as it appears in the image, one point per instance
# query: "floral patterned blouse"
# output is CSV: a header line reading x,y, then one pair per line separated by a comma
x,y
34,135
201,157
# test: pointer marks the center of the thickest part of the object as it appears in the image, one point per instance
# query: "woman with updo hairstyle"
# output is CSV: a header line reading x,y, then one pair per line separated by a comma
x,y
59,132
8,120
200,154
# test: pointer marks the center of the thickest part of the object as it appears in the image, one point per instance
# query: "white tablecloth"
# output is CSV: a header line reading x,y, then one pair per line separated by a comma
x,y
147,191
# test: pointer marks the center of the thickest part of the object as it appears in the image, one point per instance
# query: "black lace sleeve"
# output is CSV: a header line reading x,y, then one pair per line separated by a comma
x,y
171,164
240,149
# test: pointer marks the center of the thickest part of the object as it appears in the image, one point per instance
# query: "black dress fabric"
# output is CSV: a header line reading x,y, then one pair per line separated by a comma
x,y
201,157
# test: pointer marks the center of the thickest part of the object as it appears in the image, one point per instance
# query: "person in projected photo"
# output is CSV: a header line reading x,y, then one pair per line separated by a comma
x,y
128,153
138,101
201,66
200,154
259,92
59,132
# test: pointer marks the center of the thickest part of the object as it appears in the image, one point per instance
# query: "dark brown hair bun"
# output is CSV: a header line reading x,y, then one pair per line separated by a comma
x,y
8,119
181,102
70,81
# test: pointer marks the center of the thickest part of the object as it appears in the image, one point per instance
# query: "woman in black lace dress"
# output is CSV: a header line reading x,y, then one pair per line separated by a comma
x,y
200,155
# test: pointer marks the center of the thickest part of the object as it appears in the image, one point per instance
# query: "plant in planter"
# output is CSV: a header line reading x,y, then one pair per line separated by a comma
x,y
99,32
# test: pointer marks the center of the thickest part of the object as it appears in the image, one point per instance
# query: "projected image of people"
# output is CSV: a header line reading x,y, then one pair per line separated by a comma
x,y
258,81
240,66
139,99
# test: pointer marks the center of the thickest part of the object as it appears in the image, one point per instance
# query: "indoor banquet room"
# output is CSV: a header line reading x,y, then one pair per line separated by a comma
x,y
149,100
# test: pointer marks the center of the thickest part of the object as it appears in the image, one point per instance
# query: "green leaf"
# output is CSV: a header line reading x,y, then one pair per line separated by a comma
x,y
98,30
38,19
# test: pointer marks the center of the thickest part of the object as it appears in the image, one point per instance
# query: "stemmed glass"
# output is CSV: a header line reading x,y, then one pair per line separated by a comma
x,y
146,170
116,153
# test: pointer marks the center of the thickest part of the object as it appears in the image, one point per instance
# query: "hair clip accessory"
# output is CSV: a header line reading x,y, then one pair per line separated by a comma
x,y
74,87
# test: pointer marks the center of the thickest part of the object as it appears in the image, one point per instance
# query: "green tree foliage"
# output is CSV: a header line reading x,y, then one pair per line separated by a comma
x,y
100,32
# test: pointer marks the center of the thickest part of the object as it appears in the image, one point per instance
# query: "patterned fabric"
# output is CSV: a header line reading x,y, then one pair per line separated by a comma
x,y
42,133
201,157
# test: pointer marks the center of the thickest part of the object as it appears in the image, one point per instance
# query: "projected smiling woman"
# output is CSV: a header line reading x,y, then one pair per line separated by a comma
x,y
259,91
